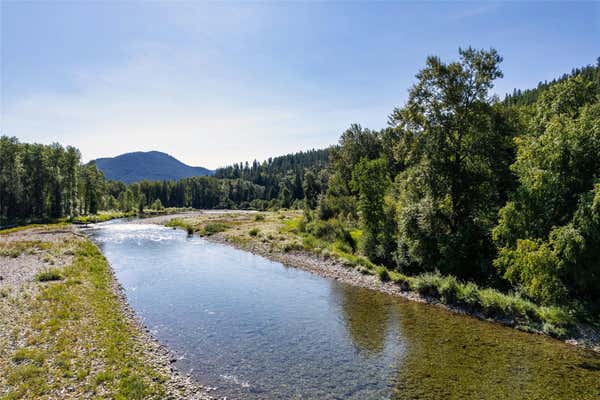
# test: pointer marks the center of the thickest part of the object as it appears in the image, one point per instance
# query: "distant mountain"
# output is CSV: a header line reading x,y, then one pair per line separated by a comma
x,y
151,165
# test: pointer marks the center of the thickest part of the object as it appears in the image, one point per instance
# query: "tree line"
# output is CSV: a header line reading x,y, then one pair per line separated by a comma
x,y
47,182
44,182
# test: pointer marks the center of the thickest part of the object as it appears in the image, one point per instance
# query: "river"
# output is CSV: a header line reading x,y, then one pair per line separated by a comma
x,y
256,329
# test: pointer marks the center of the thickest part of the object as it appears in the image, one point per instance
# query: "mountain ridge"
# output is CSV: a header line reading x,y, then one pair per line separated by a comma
x,y
147,165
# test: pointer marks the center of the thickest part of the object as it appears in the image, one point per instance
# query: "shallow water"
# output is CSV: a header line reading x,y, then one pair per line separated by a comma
x,y
259,330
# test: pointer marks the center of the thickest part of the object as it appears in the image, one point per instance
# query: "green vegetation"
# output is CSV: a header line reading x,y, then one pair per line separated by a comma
x,y
40,183
476,202
254,232
473,200
101,216
50,275
78,336
212,228
206,229
287,180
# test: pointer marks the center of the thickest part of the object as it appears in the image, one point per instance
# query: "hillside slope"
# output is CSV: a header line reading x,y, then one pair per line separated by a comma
x,y
151,165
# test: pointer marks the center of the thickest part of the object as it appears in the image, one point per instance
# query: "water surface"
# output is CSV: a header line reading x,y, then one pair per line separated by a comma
x,y
259,330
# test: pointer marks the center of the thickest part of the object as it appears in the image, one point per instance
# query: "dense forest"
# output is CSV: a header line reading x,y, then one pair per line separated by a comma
x,y
39,182
505,193
285,178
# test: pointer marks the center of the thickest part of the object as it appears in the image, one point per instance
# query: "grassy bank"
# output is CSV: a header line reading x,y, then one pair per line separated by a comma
x,y
286,232
67,334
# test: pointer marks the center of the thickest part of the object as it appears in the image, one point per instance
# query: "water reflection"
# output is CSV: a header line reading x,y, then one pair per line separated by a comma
x,y
452,357
367,317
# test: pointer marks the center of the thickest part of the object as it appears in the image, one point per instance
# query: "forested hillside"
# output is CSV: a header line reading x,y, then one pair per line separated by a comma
x,y
285,177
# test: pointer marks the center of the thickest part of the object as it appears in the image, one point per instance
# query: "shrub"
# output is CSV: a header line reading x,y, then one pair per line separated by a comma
x,y
49,275
383,274
157,205
310,243
448,289
212,228
467,294
427,284
494,303
292,247
254,232
259,217
556,316
326,254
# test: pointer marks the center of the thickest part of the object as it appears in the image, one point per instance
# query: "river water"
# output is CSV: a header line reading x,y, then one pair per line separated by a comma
x,y
259,330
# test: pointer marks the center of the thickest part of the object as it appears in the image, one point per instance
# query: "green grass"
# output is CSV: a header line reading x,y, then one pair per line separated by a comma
x,y
102,216
206,229
15,249
254,232
7,231
383,274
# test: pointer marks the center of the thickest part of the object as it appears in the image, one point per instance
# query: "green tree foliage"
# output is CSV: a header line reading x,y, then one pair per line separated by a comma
x,y
548,234
38,182
280,174
355,144
504,192
370,179
453,148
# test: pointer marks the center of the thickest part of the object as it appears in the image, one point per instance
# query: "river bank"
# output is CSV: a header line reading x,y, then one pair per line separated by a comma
x,y
66,330
268,235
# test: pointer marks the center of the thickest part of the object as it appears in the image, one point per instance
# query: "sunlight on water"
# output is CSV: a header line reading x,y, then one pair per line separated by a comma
x,y
138,233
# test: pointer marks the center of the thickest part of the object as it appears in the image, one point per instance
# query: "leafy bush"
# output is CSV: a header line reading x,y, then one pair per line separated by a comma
x,y
383,274
293,246
212,228
49,275
254,232
259,217
427,284
467,294
448,289
157,205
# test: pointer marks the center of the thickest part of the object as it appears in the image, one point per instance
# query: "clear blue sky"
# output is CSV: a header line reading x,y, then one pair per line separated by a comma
x,y
214,83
